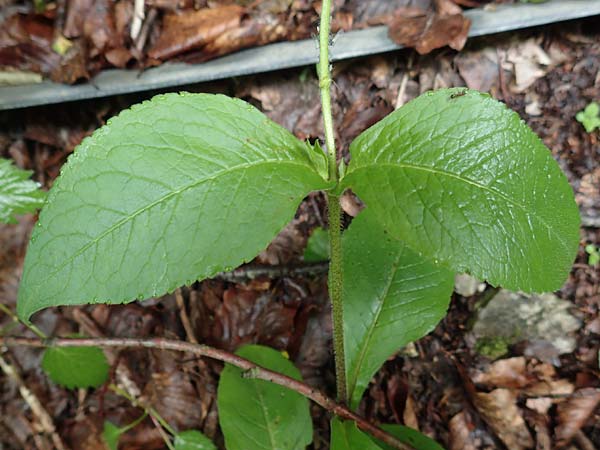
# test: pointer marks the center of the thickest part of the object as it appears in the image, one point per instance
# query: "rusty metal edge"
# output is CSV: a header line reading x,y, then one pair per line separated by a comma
x,y
284,55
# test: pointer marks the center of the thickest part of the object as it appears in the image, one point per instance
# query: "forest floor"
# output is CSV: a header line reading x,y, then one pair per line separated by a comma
x,y
516,395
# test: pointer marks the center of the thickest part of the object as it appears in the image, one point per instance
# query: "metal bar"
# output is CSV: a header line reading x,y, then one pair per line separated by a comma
x,y
284,55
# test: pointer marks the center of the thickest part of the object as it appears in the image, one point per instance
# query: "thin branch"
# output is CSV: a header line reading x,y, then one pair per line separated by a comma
x,y
183,316
255,370
251,271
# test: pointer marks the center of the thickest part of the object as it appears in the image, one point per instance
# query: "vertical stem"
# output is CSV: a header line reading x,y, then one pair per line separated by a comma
x,y
334,212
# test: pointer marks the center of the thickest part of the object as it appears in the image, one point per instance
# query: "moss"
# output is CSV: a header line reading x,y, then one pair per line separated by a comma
x,y
492,347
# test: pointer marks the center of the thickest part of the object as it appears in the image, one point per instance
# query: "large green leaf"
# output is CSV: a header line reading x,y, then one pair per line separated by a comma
x,y
18,194
462,180
346,436
173,190
259,415
392,297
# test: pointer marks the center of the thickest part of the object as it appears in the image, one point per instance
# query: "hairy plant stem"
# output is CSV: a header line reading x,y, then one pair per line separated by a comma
x,y
251,369
334,210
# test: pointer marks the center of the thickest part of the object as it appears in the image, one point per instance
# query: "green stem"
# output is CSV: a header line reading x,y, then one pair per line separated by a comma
x,y
334,211
147,411
6,310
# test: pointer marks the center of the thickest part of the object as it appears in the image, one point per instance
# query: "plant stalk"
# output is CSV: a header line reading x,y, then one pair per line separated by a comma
x,y
253,370
334,210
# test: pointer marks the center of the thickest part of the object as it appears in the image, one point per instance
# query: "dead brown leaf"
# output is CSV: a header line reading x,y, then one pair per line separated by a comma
x,y
573,414
499,410
175,399
77,11
479,69
505,373
429,31
461,437
193,30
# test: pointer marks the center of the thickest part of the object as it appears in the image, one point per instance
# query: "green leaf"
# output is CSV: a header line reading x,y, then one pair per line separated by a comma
x,y
589,117
174,190
392,297
259,415
193,440
409,436
462,180
317,247
111,434
76,367
18,194
346,436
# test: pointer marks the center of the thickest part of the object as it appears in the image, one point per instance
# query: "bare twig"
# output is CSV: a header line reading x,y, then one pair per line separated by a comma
x,y
140,43
138,18
252,271
185,319
252,370
34,403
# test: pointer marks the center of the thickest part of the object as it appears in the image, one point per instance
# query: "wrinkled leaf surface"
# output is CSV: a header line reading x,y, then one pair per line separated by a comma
x,y
461,179
173,190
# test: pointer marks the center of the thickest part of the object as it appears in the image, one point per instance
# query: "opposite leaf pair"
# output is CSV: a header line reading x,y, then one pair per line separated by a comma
x,y
184,186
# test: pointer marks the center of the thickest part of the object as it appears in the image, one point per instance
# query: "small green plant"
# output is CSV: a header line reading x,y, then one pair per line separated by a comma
x,y
184,186
593,254
589,117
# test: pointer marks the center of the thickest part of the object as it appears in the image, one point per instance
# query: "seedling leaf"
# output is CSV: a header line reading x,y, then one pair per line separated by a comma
x,y
76,367
461,179
346,436
392,297
193,440
18,194
111,434
166,193
259,415
589,117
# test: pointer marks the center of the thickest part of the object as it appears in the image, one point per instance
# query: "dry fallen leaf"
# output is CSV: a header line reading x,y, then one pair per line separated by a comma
x,y
193,30
479,69
499,410
429,31
506,373
528,61
574,413
461,437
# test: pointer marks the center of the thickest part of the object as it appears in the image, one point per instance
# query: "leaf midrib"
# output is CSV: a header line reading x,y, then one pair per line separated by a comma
x,y
432,170
371,329
265,415
168,196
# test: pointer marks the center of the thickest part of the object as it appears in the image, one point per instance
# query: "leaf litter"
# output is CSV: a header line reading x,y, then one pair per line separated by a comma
x,y
441,385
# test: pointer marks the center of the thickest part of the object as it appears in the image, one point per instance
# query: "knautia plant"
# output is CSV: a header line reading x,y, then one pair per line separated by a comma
x,y
185,186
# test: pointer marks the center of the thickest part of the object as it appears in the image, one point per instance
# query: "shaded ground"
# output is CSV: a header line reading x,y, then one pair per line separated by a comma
x,y
528,398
